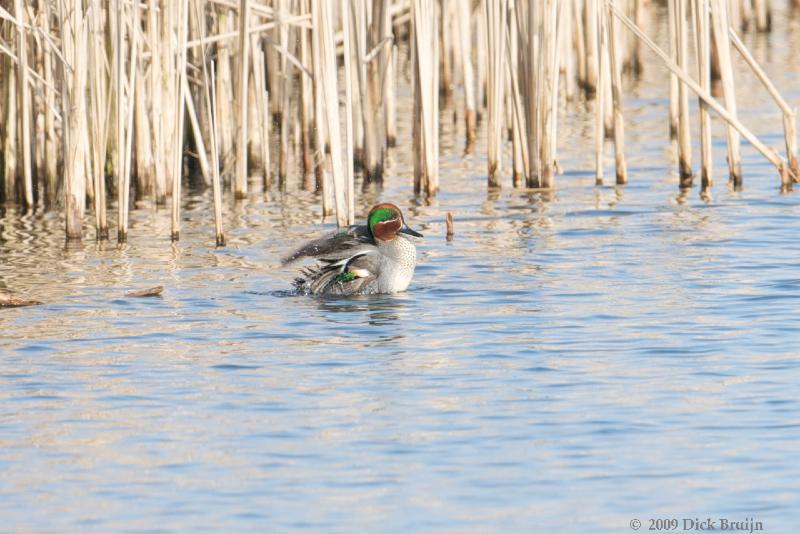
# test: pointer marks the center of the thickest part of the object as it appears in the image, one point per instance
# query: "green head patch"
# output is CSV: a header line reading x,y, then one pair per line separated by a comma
x,y
381,214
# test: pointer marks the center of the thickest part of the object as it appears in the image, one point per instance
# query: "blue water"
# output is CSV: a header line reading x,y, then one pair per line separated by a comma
x,y
567,363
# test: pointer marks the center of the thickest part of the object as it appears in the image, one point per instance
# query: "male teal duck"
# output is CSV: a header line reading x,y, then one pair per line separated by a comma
x,y
377,257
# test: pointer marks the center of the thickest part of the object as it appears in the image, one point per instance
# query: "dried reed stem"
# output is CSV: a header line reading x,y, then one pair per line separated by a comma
x,y
348,103
789,114
762,13
144,149
24,102
98,98
566,39
128,115
520,141
771,156
324,24
446,49
217,189
119,87
610,26
156,115
285,95
357,104
389,98
599,103
426,96
684,128
320,119
240,183
592,36
480,61
719,22
197,132
549,61
306,111
463,29
495,13
528,24
177,157
225,102
74,111
209,93
262,105
673,80
701,15
51,156
371,72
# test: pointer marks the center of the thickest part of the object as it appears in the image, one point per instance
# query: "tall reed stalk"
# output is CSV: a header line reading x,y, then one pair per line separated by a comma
x,y
684,128
182,20
242,108
127,117
599,101
495,13
672,27
349,54
74,114
323,23
609,25
719,23
426,97
703,52
98,98
209,95
464,38
50,141
24,102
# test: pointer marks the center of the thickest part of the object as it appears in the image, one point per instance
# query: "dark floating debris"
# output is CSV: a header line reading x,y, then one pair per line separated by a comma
x,y
449,221
10,301
151,292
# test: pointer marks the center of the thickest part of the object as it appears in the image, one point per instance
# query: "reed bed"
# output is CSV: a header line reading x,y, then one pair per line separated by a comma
x,y
135,100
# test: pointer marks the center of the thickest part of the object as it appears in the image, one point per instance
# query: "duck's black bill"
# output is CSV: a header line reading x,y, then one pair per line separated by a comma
x,y
409,231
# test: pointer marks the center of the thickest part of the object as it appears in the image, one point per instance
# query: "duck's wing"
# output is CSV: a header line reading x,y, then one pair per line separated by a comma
x,y
343,244
347,276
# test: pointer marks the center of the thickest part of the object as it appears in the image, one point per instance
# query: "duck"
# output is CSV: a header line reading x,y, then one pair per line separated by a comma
x,y
373,258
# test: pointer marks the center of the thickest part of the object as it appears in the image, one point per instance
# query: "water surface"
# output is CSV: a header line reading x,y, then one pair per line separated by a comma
x,y
568,362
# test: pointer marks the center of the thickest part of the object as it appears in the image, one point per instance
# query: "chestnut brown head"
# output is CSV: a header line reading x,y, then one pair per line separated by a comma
x,y
386,222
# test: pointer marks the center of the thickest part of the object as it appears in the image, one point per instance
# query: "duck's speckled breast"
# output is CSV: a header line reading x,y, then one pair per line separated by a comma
x,y
398,259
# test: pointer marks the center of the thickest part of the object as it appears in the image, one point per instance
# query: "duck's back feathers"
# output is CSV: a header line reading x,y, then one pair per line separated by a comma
x,y
348,276
347,263
342,244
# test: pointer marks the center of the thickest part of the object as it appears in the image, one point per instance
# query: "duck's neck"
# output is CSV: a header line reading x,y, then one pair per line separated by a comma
x,y
399,249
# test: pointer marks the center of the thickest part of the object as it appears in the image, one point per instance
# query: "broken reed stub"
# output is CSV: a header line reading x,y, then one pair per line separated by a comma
x,y
151,292
449,221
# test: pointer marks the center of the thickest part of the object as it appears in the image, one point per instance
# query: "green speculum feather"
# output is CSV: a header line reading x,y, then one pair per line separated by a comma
x,y
346,276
